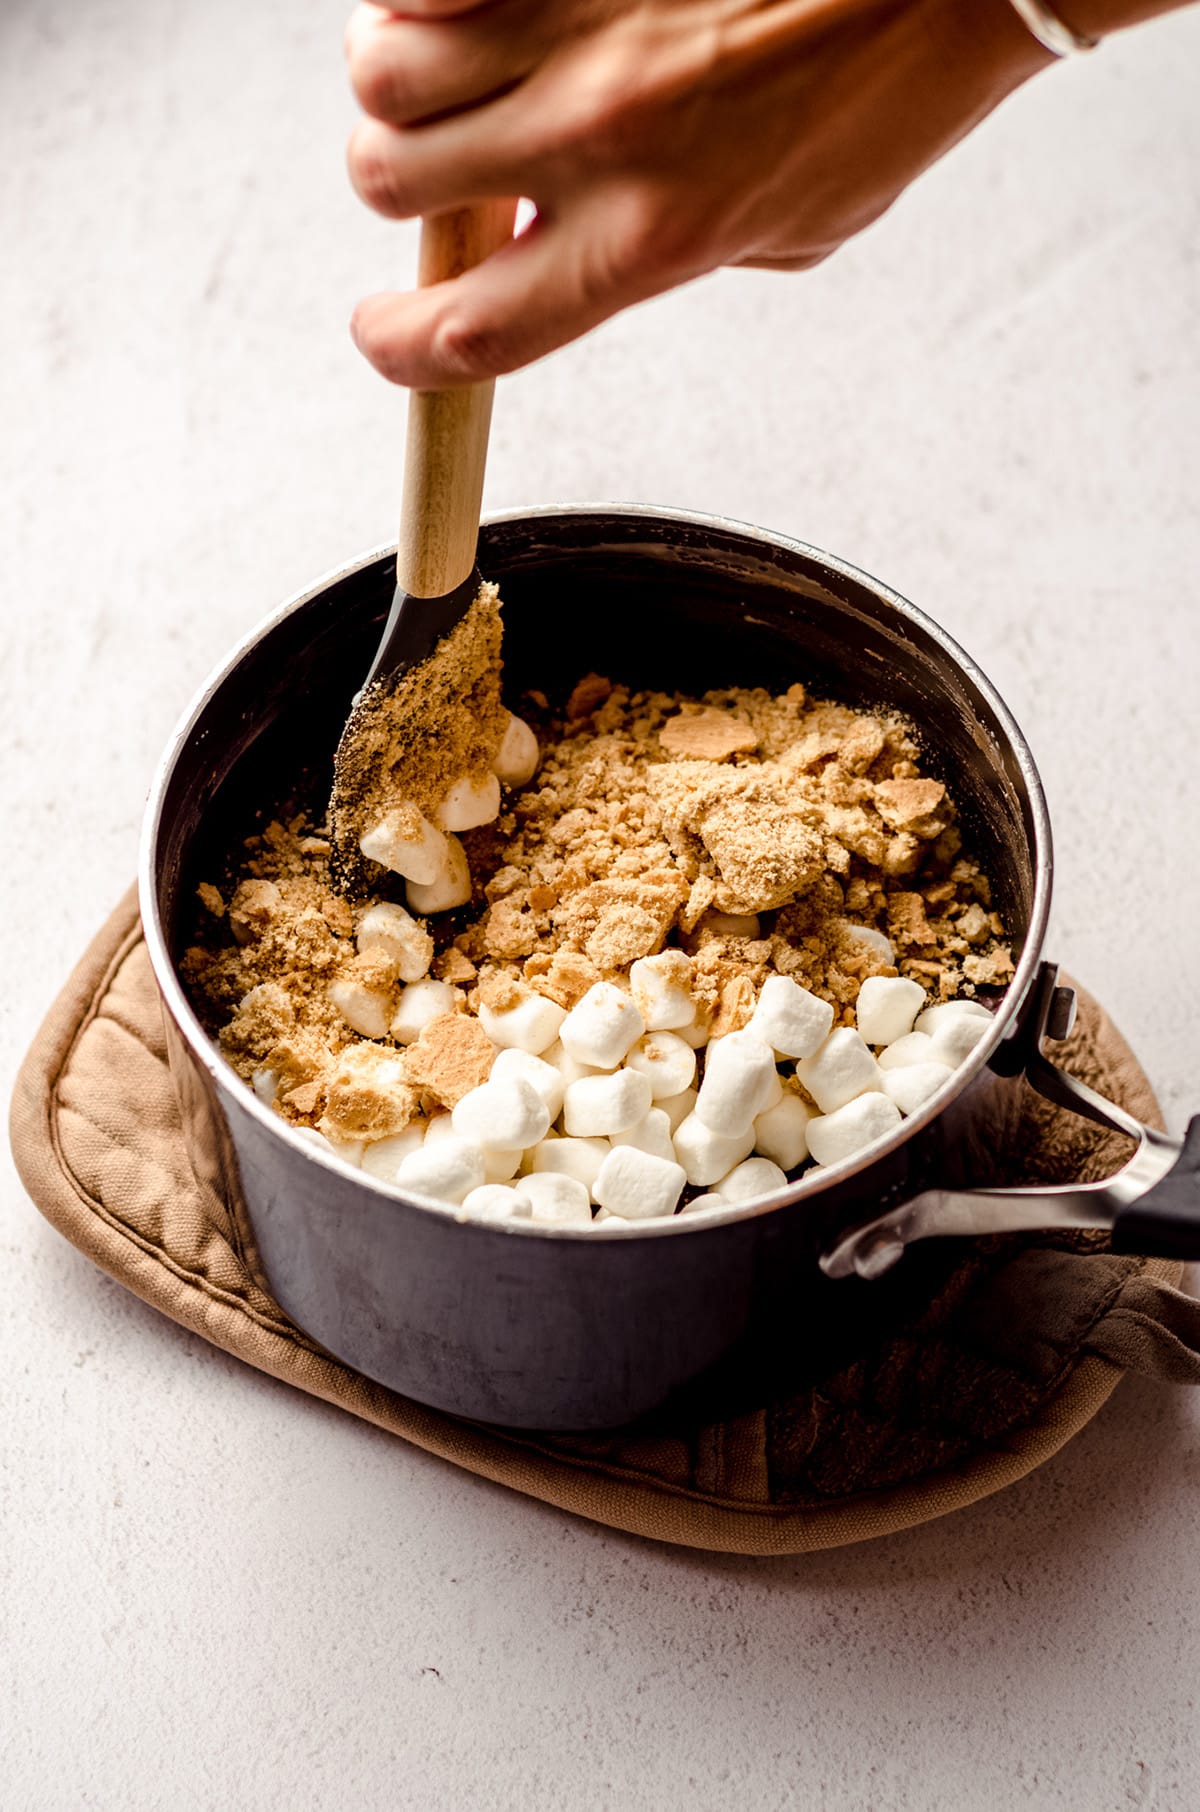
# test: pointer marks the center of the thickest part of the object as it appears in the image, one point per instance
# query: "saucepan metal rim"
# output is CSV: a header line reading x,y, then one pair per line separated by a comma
x,y
813,1183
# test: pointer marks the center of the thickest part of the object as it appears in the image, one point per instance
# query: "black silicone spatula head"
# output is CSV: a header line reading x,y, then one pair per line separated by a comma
x,y
437,580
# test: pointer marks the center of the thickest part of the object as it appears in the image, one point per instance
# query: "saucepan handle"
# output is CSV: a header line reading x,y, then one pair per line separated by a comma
x,y
1165,1221
1151,1206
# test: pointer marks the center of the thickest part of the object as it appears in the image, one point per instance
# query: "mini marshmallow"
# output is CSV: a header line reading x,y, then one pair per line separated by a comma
x,y
450,886
661,1001
653,1134
946,1012
420,1002
439,1128
955,1039
578,1158
407,843
517,757
447,1170
637,1185
595,1106
496,1202
850,1129
772,1094
468,803
557,1200
677,1107
738,1074
870,939
703,1201
753,1176
914,1047
511,1064
350,1151
696,1033
530,1025
502,1116
367,1011
601,1027
668,1064
387,928
384,1157
790,1019
781,1134
565,1064
912,1086
265,1084
840,1070
501,1166
887,1006
311,1136
707,1155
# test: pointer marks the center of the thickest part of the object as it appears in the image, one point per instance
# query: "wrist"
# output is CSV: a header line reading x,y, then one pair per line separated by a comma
x,y
996,45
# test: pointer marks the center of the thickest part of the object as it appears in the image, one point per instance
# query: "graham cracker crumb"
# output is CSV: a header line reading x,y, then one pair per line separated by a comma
x,y
707,735
409,737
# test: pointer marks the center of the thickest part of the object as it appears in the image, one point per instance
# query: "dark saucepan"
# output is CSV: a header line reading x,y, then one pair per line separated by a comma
x,y
558,1328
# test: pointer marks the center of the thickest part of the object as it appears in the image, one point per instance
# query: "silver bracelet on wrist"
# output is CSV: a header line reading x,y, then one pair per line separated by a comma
x,y
1051,32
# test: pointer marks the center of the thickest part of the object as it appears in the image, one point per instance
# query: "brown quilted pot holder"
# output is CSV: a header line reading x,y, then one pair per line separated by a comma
x,y
1018,1351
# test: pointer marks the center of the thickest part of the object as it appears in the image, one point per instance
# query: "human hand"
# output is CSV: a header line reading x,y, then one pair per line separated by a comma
x,y
658,140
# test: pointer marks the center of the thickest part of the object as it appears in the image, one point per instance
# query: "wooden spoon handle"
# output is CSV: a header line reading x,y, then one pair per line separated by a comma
x,y
446,450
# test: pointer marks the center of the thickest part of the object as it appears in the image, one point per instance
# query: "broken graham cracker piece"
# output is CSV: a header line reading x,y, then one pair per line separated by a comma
x,y
763,859
563,978
907,923
452,1055
735,1004
990,971
368,1094
455,967
707,735
586,694
615,922
912,805
304,1099
252,908
265,1015
701,895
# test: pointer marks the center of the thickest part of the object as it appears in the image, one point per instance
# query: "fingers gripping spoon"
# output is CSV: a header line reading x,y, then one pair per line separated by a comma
x,y
416,758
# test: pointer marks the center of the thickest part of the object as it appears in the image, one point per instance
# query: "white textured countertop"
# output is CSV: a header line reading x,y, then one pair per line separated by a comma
x,y
217,1593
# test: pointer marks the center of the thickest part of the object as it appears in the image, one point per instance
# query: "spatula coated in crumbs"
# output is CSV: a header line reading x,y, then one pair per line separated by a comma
x,y
421,751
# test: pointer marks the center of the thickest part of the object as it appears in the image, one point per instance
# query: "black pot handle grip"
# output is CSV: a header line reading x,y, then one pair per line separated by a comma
x,y
1165,1222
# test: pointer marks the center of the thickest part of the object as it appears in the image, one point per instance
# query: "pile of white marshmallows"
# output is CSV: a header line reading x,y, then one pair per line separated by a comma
x,y
427,854
599,1107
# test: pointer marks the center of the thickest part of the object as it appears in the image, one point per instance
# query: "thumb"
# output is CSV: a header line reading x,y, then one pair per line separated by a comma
x,y
553,282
